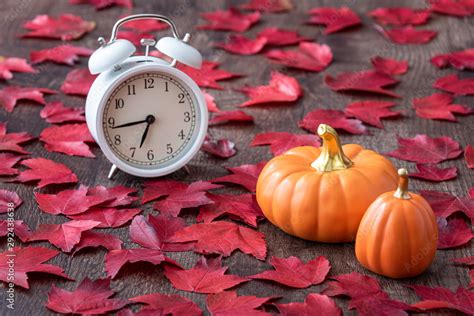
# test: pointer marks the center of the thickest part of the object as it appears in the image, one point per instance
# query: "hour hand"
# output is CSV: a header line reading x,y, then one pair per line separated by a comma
x,y
130,124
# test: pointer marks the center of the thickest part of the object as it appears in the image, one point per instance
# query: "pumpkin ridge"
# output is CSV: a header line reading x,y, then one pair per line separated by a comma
x,y
426,212
381,231
408,212
294,214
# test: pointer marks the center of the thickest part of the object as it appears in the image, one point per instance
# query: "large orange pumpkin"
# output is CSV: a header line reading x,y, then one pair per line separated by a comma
x,y
398,234
322,193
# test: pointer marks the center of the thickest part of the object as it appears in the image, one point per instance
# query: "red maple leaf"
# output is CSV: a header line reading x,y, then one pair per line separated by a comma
x,y
389,66
116,259
7,197
452,7
26,260
210,102
242,207
469,156
229,20
365,80
242,45
461,60
335,118
56,112
452,84
295,273
407,35
281,37
230,116
94,240
222,148
274,6
469,261
17,227
335,19
208,75
453,233
281,88
313,302
89,298
102,4
163,304
281,142
46,171
117,196
69,139
223,238
438,106
433,173
145,26
445,204
64,236
424,149
11,141
68,202
7,161
309,56
155,232
177,195
228,303
371,111
400,16
62,54
11,94
78,81
207,276
439,297
108,217
244,175
66,27
13,64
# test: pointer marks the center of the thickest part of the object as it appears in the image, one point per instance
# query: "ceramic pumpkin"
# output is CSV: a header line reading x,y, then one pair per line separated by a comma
x,y
398,234
322,193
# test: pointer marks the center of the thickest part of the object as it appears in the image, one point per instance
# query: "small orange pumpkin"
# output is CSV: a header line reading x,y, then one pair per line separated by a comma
x,y
322,193
398,234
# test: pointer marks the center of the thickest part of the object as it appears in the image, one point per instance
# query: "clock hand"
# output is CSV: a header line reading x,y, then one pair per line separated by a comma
x,y
149,120
130,124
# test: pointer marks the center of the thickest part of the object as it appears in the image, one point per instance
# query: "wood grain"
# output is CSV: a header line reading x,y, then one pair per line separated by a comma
x,y
352,50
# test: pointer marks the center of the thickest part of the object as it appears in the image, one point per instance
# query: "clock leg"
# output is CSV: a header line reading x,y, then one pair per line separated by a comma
x,y
186,169
112,171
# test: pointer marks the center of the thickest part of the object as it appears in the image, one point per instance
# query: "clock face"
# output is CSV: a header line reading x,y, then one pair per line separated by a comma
x,y
151,120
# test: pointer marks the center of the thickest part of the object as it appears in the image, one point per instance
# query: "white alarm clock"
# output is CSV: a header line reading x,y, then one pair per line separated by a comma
x,y
148,117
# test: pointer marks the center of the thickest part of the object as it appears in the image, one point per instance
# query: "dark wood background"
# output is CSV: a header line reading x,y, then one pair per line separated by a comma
x,y
352,50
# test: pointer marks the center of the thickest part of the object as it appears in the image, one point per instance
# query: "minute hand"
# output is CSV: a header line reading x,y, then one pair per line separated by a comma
x,y
130,124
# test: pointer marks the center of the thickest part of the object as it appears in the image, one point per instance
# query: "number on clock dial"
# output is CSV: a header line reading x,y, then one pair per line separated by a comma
x,y
150,118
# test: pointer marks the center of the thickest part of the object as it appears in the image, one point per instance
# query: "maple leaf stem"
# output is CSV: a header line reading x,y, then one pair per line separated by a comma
x,y
402,190
332,156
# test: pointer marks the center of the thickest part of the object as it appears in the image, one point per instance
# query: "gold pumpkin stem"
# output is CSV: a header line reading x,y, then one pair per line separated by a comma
x,y
402,190
332,156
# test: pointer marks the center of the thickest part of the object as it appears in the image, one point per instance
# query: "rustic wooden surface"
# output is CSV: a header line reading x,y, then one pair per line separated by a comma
x,y
352,50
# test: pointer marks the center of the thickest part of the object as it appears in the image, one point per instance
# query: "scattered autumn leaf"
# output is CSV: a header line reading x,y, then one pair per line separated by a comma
x,y
453,233
208,75
229,20
207,276
281,37
445,204
117,196
228,303
56,112
89,298
210,102
7,161
313,302
400,16
223,238
145,26
365,80
108,217
371,111
102,4
335,118
9,197
90,239
389,66
439,297
78,81
281,88
407,35
69,139
162,304
281,142
309,56
433,173
230,116
452,84
242,45
461,60
469,156
63,54
424,149
17,227
295,273
222,148
46,171
452,7
66,27
439,106
10,95
274,6
26,260
335,19
12,141
13,64
244,175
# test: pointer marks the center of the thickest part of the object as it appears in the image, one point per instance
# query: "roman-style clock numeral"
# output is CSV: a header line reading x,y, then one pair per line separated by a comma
x,y
181,97
119,103
187,116
149,83
131,89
